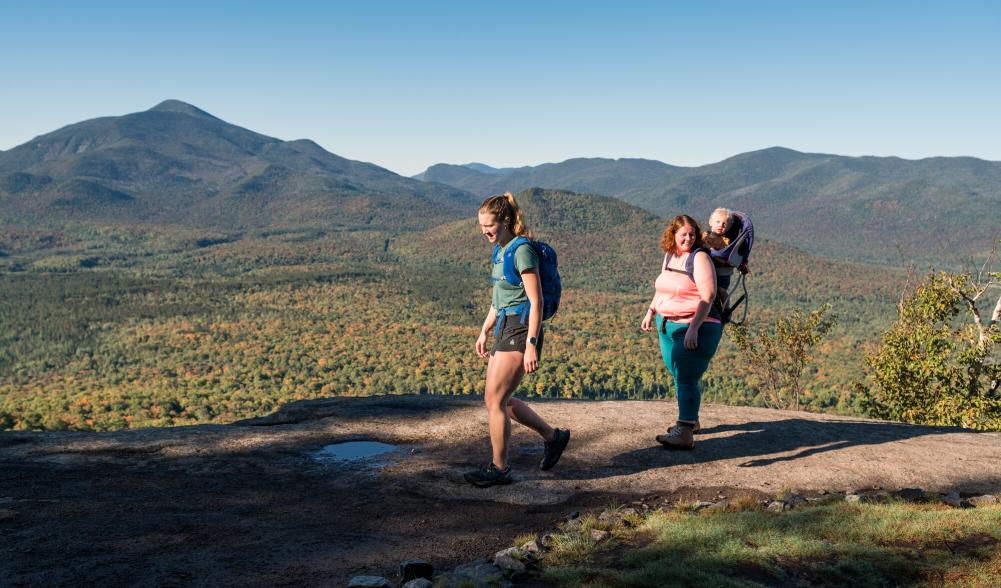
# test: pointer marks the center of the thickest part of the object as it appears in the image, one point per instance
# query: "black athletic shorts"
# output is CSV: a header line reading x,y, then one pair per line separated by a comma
x,y
513,336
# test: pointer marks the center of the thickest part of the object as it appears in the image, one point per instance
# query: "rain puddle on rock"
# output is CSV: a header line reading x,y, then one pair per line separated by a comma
x,y
354,452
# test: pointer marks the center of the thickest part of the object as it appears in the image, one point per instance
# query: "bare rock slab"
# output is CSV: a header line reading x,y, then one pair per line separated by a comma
x,y
181,498
476,575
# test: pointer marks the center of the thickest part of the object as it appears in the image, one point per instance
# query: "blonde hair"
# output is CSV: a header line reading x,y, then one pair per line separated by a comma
x,y
506,209
724,212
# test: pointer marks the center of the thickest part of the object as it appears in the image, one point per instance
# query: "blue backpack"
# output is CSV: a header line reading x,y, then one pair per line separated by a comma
x,y
549,276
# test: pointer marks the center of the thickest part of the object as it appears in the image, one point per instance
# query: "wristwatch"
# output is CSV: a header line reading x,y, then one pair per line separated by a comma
x,y
533,341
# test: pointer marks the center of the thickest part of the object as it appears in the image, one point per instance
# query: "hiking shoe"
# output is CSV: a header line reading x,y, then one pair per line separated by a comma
x,y
554,448
697,428
489,476
677,437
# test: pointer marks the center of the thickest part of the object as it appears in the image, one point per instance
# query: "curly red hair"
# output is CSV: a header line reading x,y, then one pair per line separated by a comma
x,y
667,239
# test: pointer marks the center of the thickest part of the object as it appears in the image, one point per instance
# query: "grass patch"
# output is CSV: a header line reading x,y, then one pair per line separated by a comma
x,y
836,544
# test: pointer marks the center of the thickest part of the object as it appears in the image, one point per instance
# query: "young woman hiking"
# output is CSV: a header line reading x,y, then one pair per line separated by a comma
x,y
517,344
687,322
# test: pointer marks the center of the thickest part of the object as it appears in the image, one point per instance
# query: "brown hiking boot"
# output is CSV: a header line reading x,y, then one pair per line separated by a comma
x,y
677,437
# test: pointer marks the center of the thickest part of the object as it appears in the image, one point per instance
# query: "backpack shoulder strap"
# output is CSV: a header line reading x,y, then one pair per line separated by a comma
x,y
716,308
510,271
494,260
690,262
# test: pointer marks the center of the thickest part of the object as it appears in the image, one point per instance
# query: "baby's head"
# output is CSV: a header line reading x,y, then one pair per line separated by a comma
x,y
719,221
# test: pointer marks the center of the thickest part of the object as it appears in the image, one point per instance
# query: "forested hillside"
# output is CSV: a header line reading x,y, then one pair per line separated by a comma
x,y
111,327
167,267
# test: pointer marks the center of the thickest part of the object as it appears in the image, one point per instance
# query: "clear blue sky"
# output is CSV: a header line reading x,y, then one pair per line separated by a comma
x,y
407,84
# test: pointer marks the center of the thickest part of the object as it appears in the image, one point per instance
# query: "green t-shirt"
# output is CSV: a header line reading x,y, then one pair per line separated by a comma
x,y
506,295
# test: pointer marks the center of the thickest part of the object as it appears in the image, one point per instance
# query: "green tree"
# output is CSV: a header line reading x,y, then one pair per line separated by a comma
x,y
939,363
780,352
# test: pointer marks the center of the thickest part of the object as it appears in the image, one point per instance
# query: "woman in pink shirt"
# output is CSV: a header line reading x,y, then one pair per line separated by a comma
x,y
687,321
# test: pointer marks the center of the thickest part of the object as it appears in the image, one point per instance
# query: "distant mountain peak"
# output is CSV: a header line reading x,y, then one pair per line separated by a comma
x,y
482,168
176,164
181,107
782,150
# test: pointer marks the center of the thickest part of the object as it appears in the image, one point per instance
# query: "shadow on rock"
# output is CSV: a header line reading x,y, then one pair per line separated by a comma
x,y
771,442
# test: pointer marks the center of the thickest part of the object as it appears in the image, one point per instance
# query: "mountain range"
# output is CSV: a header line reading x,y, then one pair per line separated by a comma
x,y
879,209
181,265
177,164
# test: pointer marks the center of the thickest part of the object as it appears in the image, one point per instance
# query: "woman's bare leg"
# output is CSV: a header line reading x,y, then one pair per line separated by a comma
x,y
504,373
521,412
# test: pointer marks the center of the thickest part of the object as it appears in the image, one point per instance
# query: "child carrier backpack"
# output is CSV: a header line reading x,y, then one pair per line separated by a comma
x,y
717,307
549,277
733,256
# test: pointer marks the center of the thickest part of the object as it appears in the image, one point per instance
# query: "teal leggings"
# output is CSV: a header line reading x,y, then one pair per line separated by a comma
x,y
687,366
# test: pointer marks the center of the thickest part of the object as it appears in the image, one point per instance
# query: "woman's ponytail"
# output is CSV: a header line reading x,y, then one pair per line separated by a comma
x,y
506,209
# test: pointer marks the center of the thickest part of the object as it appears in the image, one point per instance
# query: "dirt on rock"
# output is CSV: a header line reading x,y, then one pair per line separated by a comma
x,y
258,503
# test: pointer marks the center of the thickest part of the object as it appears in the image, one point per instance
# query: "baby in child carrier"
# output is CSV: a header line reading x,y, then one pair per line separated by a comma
x,y
722,229
729,238
717,237
719,222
